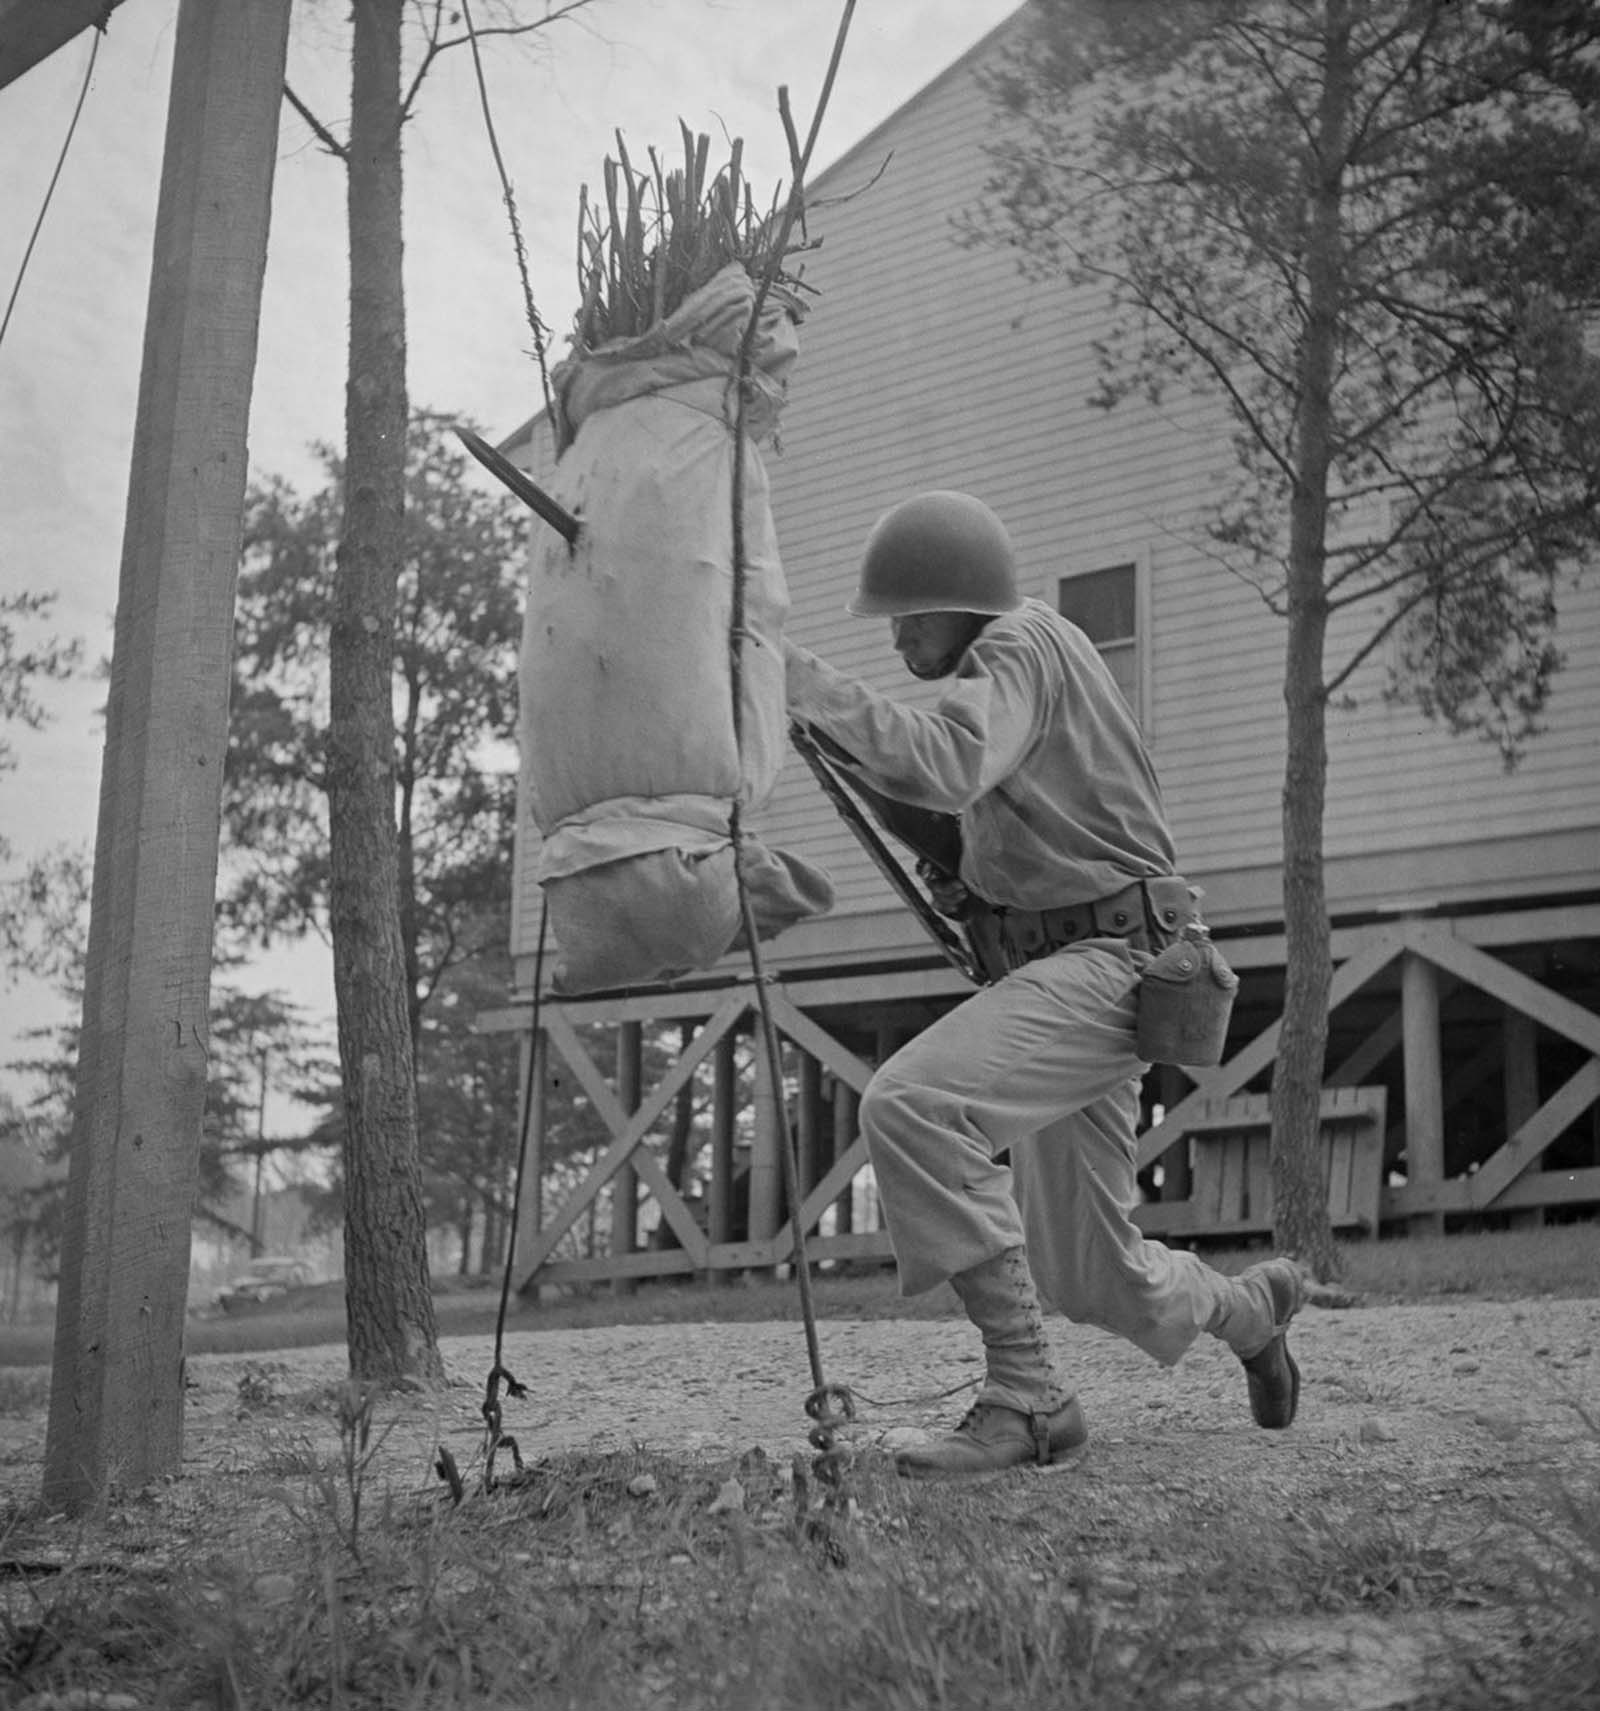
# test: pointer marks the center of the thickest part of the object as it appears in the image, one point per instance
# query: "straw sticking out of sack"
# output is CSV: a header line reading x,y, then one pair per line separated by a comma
x,y
657,237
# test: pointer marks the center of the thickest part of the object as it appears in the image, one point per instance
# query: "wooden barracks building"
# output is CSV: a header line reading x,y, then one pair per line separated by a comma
x,y
1464,1061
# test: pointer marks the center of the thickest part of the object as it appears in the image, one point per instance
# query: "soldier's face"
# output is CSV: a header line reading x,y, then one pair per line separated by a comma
x,y
932,643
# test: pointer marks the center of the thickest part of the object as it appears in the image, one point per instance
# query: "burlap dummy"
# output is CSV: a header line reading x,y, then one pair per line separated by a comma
x,y
630,762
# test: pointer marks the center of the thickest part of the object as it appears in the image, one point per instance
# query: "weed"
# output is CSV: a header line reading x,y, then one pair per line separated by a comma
x,y
1561,1569
338,1491
1541,1650
1339,1560
1360,1387
257,1385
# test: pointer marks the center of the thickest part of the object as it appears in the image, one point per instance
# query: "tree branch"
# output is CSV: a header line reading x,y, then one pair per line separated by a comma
x,y
320,131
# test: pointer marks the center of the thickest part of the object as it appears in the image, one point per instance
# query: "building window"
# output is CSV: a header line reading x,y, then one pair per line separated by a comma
x,y
1104,604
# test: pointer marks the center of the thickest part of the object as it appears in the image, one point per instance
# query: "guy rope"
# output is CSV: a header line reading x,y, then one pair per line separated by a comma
x,y
495,1437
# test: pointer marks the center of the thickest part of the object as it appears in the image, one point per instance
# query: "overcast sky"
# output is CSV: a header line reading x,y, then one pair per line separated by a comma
x,y
69,365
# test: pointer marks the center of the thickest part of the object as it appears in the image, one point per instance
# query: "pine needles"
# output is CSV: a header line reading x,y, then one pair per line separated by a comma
x,y
656,237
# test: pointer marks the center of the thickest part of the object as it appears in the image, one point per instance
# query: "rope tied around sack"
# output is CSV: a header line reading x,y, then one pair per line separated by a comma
x,y
830,1406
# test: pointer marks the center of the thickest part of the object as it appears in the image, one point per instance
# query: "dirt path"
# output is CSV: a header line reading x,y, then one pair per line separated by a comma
x,y
1431,1389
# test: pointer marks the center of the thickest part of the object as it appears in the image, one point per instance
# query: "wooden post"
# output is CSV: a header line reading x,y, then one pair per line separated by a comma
x,y
725,1089
1520,1054
1177,1176
117,1395
625,1184
681,1147
766,1180
888,1040
532,1115
844,1137
1424,1076
808,1125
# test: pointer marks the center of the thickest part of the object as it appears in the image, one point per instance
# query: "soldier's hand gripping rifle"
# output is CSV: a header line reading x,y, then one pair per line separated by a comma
x,y
934,839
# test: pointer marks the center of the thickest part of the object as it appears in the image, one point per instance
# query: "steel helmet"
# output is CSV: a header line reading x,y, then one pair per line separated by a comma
x,y
937,552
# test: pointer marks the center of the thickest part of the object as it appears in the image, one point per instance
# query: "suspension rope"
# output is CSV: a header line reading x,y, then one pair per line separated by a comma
x,y
61,161
495,1437
536,326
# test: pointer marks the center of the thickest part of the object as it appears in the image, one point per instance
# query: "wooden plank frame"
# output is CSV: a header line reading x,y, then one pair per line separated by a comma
x,y
1371,956
629,1130
1507,1180
1226,1196
697,1252
1231,1193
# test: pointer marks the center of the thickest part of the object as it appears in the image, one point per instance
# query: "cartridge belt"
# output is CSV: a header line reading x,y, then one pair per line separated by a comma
x,y
1149,914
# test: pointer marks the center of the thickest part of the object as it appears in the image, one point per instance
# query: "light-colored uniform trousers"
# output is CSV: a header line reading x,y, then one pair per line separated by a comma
x,y
1043,1063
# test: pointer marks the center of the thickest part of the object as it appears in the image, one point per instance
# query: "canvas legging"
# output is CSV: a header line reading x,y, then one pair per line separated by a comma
x,y
1041,1064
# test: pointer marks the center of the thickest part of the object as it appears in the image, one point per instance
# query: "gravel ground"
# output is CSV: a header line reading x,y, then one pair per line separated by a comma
x,y
1441,1419
1434,1383
1441,1380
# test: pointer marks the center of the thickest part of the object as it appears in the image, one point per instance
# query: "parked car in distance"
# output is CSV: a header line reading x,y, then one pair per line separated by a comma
x,y
264,1279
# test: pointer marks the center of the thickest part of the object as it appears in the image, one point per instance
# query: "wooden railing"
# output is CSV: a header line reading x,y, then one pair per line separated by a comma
x,y
1213,1137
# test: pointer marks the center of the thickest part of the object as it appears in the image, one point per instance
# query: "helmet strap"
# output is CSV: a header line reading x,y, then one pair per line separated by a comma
x,y
947,662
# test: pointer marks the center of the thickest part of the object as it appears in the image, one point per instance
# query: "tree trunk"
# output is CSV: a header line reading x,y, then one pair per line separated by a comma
x,y
1301,1223
1300,1196
392,1332
410,916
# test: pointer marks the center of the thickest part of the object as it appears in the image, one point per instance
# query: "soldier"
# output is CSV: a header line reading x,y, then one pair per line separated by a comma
x,y
1003,1136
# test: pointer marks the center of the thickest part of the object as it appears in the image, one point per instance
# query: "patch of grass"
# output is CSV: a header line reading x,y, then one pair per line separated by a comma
x,y
637,1580
1563,1568
628,1581
1362,1561
1551,1552
1502,1265
321,1320
1494,1265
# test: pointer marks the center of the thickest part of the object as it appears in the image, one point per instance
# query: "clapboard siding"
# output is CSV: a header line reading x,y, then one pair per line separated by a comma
x,y
926,364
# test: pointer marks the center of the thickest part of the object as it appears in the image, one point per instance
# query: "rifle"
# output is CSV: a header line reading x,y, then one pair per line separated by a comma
x,y
933,838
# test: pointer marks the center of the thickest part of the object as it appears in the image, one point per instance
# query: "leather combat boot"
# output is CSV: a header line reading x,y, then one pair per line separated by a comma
x,y
992,1436
1276,1288
1022,1413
